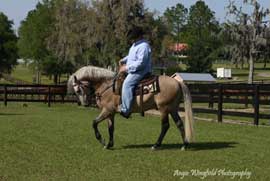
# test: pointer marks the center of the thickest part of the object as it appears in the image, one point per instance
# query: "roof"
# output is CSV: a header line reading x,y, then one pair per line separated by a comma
x,y
195,77
178,47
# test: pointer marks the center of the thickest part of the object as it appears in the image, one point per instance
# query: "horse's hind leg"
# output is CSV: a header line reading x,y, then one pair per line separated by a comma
x,y
180,126
165,125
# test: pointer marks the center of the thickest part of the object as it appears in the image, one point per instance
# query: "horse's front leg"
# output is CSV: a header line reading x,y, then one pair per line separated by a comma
x,y
102,116
111,131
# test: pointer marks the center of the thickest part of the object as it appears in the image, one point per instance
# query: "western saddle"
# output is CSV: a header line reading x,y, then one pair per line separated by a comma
x,y
149,84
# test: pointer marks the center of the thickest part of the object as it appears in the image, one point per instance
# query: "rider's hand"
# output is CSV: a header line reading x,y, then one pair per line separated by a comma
x,y
123,68
120,62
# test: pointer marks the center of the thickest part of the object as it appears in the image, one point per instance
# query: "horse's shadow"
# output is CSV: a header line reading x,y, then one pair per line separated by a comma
x,y
193,146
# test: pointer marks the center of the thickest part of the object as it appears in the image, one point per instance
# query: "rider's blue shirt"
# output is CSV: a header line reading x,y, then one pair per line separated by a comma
x,y
138,59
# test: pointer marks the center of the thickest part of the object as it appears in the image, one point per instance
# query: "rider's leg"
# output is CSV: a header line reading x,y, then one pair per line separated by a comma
x,y
127,92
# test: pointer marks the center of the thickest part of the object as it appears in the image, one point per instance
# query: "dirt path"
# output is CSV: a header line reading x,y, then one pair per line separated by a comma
x,y
263,74
226,121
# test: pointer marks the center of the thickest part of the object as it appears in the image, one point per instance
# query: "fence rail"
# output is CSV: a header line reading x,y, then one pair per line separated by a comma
x,y
35,93
213,94
253,94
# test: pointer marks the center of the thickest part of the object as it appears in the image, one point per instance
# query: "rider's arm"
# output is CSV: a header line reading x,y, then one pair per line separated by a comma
x,y
142,56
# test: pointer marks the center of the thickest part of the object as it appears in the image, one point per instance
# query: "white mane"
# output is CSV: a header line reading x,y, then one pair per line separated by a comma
x,y
89,73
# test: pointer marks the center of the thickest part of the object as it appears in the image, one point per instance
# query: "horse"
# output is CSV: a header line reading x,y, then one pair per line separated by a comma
x,y
166,100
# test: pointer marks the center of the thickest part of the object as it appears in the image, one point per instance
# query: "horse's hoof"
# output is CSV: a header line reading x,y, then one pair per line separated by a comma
x,y
155,147
102,141
183,148
108,146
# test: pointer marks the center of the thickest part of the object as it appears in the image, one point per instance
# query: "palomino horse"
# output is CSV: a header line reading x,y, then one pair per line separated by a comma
x,y
167,101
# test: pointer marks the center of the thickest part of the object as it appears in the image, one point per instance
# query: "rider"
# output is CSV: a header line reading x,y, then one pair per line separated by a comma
x,y
136,64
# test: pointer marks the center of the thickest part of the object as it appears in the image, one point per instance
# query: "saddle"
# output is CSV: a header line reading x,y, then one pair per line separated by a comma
x,y
149,84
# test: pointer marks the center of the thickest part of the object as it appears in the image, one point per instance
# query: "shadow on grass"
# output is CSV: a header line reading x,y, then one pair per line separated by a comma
x,y
10,114
193,146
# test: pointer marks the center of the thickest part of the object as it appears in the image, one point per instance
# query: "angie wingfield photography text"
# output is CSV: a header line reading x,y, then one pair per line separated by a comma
x,y
214,172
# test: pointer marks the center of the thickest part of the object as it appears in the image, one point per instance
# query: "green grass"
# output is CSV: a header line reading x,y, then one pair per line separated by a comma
x,y
25,73
57,143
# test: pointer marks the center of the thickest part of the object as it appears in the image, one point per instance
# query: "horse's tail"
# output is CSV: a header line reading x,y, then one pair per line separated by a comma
x,y
188,112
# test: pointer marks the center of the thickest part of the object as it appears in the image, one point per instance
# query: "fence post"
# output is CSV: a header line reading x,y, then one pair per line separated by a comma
x,y
49,96
256,104
220,102
211,99
5,95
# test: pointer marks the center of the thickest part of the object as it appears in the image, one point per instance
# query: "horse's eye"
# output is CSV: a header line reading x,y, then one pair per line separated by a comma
x,y
85,86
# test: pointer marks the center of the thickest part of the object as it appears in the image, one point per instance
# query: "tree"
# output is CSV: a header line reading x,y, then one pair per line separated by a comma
x,y
75,33
38,43
237,46
250,30
266,49
8,48
175,19
33,33
67,41
201,34
114,20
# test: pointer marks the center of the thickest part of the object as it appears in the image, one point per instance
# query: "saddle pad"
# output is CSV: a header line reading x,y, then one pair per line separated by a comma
x,y
149,87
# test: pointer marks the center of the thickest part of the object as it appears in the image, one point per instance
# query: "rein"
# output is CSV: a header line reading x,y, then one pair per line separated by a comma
x,y
99,94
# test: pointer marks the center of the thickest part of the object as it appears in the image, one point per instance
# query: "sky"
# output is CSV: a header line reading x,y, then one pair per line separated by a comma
x,y
17,10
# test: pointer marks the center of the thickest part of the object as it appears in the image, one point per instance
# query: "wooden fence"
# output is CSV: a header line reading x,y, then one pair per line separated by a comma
x,y
35,93
254,95
215,95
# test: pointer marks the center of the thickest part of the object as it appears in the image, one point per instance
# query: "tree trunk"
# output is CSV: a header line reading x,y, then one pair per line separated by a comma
x,y
242,65
59,78
38,77
251,69
55,79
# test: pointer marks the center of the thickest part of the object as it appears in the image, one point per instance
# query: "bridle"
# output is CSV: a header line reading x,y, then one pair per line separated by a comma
x,y
99,94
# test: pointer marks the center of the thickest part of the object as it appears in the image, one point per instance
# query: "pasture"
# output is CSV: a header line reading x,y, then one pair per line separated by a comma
x,y
57,143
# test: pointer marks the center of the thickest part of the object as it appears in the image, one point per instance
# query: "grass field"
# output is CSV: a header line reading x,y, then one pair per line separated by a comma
x,y
25,73
57,143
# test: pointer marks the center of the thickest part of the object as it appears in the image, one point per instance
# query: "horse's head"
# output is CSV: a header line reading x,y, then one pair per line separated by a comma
x,y
82,91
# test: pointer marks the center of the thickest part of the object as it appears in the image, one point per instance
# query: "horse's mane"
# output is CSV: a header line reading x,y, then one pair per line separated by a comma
x,y
89,73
